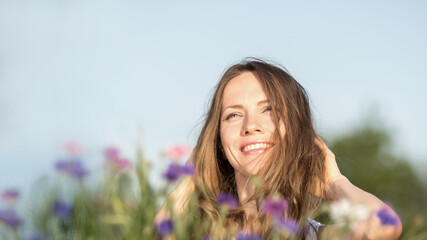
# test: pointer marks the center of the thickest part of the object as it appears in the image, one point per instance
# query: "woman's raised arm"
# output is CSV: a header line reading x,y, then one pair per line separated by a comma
x,y
337,187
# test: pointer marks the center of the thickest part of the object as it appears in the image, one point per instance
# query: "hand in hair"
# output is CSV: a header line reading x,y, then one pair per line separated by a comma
x,y
332,172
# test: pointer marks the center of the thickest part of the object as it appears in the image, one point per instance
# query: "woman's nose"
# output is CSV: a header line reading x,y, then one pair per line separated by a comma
x,y
251,125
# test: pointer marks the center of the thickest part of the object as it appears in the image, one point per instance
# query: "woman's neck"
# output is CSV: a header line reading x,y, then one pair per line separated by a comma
x,y
245,191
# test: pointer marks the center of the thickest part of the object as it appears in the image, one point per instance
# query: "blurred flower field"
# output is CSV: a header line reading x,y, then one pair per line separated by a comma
x,y
123,205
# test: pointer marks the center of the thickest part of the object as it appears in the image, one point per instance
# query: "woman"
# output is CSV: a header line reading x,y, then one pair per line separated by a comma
x,y
259,124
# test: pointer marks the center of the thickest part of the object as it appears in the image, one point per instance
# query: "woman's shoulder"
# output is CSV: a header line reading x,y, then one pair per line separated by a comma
x,y
179,197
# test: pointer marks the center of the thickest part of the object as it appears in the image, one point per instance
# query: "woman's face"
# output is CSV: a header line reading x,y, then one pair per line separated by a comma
x,y
247,126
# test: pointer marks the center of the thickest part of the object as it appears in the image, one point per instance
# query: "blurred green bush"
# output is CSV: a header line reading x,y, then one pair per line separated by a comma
x,y
365,155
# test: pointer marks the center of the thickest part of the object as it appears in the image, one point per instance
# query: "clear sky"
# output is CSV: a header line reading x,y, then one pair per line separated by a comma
x,y
110,72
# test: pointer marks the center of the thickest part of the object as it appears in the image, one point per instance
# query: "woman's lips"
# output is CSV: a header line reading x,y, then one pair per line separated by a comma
x,y
256,147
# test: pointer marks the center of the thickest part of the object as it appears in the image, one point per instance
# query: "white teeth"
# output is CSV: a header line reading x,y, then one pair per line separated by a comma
x,y
255,146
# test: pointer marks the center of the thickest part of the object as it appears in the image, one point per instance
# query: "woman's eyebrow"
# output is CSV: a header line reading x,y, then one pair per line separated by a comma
x,y
263,102
240,106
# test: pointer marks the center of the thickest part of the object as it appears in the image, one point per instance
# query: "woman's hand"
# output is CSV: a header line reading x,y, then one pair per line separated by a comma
x,y
331,172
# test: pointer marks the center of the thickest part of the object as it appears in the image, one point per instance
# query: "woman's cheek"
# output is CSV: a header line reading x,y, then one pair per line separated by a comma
x,y
228,135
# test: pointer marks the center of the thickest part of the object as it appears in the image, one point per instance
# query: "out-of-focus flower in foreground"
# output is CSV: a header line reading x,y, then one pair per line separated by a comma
x,y
187,169
10,196
165,227
247,236
175,171
386,217
73,148
10,218
286,226
114,161
177,151
119,164
73,168
61,209
37,236
343,211
274,206
227,200
111,153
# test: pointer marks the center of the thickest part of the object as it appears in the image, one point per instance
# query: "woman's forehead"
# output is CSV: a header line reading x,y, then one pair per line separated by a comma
x,y
244,88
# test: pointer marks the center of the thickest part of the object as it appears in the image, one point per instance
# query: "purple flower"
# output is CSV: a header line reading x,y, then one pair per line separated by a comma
x,y
37,236
274,207
247,236
386,217
10,196
288,226
188,169
165,227
175,171
73,168
10,218
227,200
61,209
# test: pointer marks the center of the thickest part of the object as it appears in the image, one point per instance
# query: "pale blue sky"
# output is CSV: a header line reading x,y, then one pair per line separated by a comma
x,y
106,72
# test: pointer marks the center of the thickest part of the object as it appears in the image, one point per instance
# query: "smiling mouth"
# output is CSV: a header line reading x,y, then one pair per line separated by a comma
x,y
256,147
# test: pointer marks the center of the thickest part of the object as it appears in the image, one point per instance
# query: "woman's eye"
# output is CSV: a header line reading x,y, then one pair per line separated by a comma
x,y
232,115
267,109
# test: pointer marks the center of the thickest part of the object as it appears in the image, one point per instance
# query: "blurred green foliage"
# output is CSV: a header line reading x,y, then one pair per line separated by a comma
x,y
122,208
366,157
124,205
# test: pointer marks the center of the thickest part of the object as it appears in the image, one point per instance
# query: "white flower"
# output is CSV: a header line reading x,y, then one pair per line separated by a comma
x,y
359,212
345,211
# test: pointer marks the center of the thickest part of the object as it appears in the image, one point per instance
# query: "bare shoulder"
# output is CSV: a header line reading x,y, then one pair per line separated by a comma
x,y
178,198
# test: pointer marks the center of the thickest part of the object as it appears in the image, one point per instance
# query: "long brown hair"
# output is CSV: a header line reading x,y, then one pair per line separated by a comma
x,y
293,169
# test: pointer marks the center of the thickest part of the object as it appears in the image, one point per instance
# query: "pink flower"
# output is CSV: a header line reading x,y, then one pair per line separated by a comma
x,y
114,161
119,164
111,153
73,148
175,151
